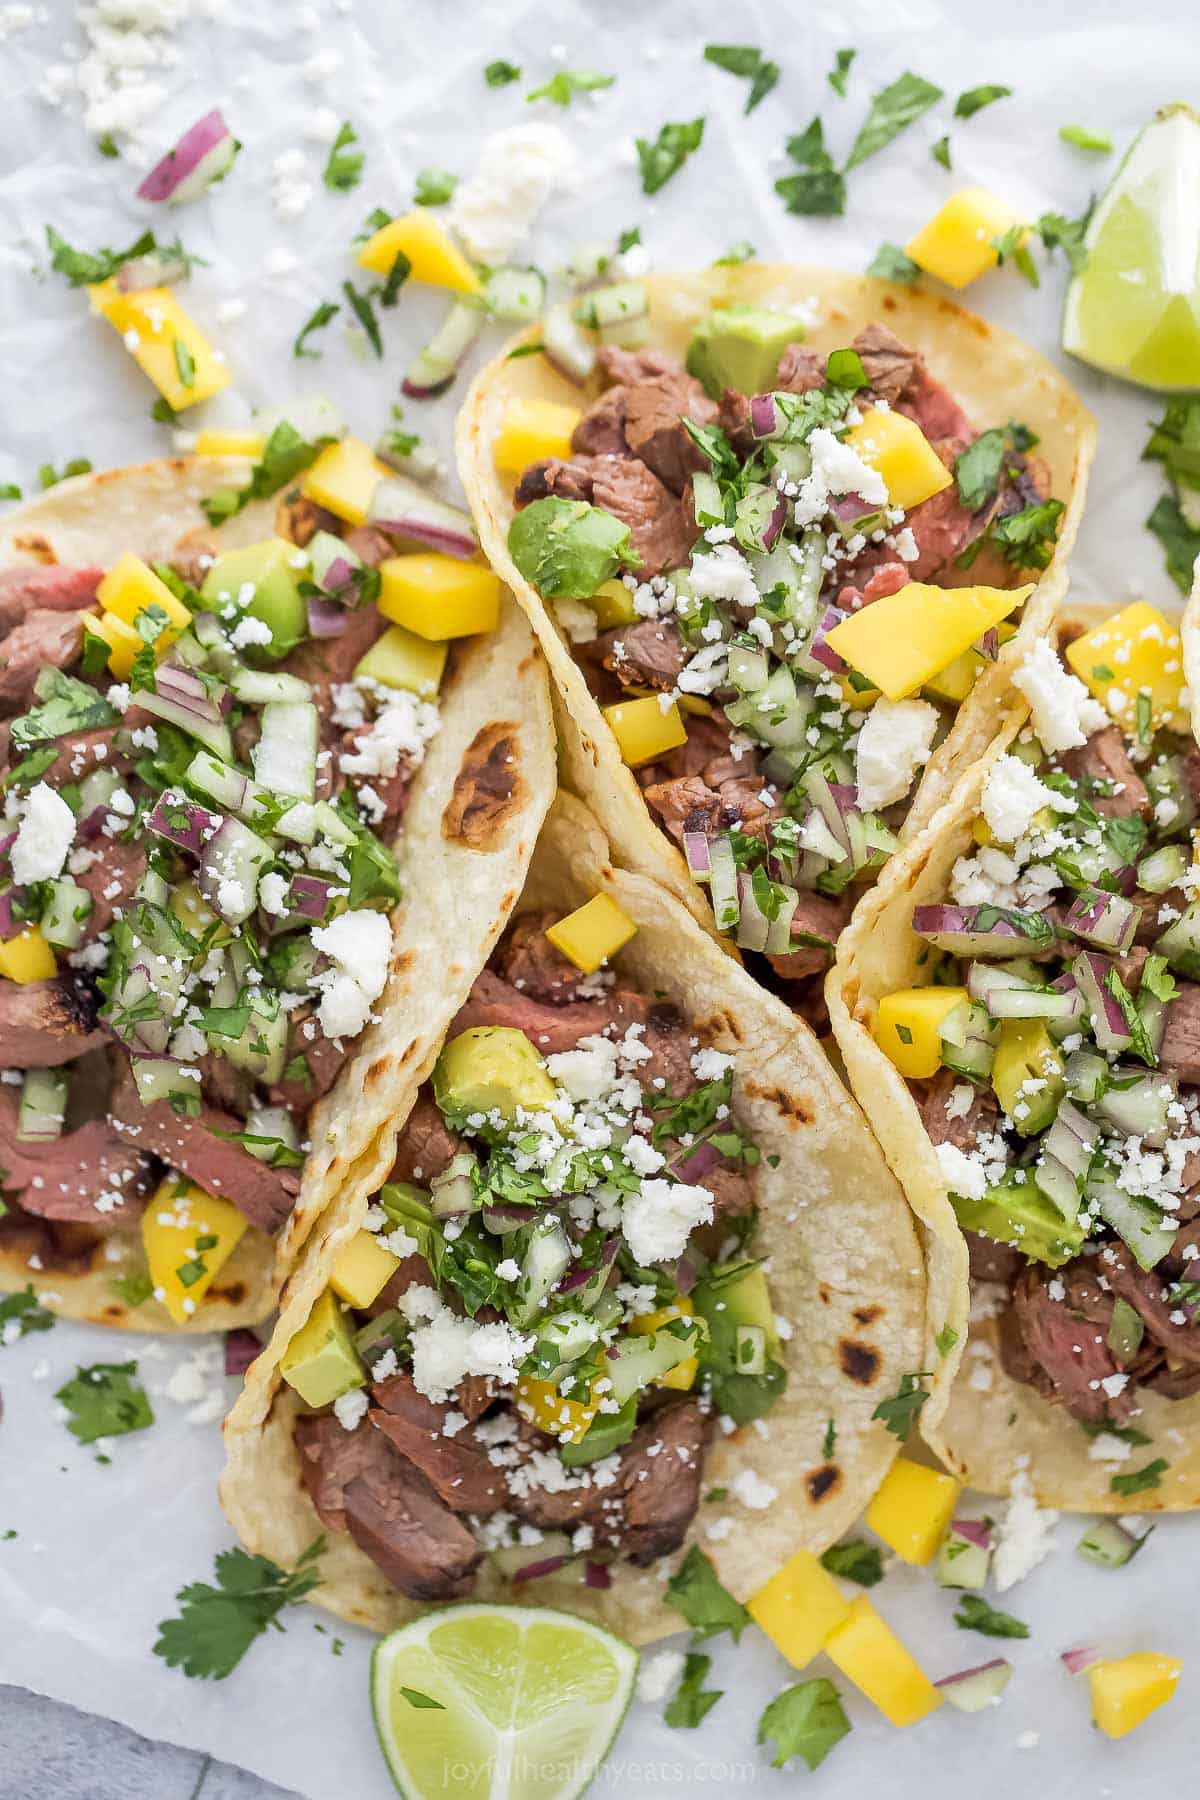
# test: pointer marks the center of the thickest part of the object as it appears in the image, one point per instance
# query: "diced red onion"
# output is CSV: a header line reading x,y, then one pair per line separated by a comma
x,y
10,925
1108,920
699,856
403,510
971,1690
326,619
848,507
7,842
775,523
975,1532
547,1566
1076,1661
694,1162
989,644
191,831
203,154
819,650
185,688
1108,1021
762,415
953,928
595,1575
241,1348
339,575
578,1276
308,896
687,1272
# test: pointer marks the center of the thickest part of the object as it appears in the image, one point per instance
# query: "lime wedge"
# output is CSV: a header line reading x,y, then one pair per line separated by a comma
x,y
529,1701
1134,310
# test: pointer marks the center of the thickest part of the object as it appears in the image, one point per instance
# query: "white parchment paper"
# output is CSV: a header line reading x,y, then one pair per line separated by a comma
x,y
101,1549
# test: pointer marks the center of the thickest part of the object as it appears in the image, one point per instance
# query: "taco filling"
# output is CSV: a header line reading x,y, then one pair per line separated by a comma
x,y
522,1353
1056,1052
204,767
751,557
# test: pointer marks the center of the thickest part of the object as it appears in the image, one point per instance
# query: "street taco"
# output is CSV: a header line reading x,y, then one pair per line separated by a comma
x,y
850,487
1018,1007
639,1280
221,769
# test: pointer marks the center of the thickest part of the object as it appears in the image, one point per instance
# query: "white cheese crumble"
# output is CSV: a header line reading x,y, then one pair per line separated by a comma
x,y
359,943
1012,797
960,1174
753,1491
658,1220
1064,713
492,210
1024,1538
896,739
349,1409
659,1675
44,838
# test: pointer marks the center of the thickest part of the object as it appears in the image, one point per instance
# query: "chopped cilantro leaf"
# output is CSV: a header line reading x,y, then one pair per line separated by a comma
x,y
106,1402
740,252
1180,541
423,1702
945,1340
1012,246
1175,441
805,1721
83,267
892,110
855,1561
1138,1480
900,1412
974,1614
360,305
1058,232
890,263
434,187
829,1441
9,490
1026,539
217,1625
316,321
691,1701
975,99
820,192
285,455
499,74
1084,138
698,1596
841,68
977,470
134,1289
344,166
25,1311
49,476
185,363
666,154
568,82
746,61
940,152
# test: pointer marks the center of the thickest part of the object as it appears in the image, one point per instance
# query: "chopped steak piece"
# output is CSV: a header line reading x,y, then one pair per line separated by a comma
x,y
322,1060
816,916
457,1468
732,1192
81,752
331,1458
654,411
88,1176
1067,1339
962,1129
800,370
112,882
326,662
299,519
42,639
1104,759
991,1261
889,365
427,1145
601,430
1146,1292
733,416
46,1023
46,587
533,965
396,1518
686,803
628,366
371,544
413,1271
551,1028
659,1475
887,578
663,532
195,554
648,654
552,476
1180,1052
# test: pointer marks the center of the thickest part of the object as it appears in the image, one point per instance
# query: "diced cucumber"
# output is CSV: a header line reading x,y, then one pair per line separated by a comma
x,y
1180,943
570,1333
1166,782
68,909
1162,869
516,294
750,1350
748,668
708,503
330,824
437,364
968,1041
454,1191
96,790
641,1360
274,1123
1137,1103
262,1048
43,1106
1086,1076
546,1260
961,1563
285,756
1108,1543
256,687
163,1078
1142,1227
387,1331
607,307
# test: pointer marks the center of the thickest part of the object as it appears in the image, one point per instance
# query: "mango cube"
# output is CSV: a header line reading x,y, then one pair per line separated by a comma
x,y
901,641
188,1236
343,479
229,443
912,1507
896,447
433,255
131,588
321,1362
362,1270
1135,652
645,729
534,428
439,597
592,933
401,659
1128,1689
164,342
799,1607
870,1655
122,640
907,1026
541,1403
612,604
683,1375
958,244
955,681
27,957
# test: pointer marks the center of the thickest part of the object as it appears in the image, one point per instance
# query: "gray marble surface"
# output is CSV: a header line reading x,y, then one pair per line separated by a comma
x,y
53,1752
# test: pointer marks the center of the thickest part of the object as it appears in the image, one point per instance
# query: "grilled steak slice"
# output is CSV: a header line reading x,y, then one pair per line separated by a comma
x,y
629,366
654,431
1180,1052
42,639
817,916
457,1468
328,662
1067,1339
991,1261
660,1477
111,882
44,587
649,654
396,1518
530,962
427,1145
330,1459
1104,760
962,1129
601,430
685,803
44,1024
800,369
88,1176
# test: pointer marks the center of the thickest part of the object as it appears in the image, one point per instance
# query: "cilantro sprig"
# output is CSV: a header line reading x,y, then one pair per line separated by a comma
x,y
901,1411
217,1625
661,157
25,1311
698,1596
105,1401
804,1721
344,165
748,62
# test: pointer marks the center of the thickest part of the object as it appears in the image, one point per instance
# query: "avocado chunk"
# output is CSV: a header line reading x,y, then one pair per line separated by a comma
x,y
606,1433
492,1068
1018,1213
1027,1054
269,568
321,1362
567,549
740,346
744,1299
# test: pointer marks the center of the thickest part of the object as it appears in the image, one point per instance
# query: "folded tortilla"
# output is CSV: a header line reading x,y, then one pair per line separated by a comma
x,y
496,697
845,1270
1003,1433
993,375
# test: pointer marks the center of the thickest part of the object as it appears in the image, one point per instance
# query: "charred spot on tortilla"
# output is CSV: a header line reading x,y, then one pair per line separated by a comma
x,y
234,1294
823,1294
860,1362
35,546
866,1315
720,1024
822,1482
790,1106
488,789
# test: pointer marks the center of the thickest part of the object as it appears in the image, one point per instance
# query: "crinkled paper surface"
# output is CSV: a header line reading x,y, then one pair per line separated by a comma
x,y
101,1549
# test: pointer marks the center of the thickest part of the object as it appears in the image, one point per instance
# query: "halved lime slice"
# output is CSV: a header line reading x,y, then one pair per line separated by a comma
x,y
528,1702
1134,310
